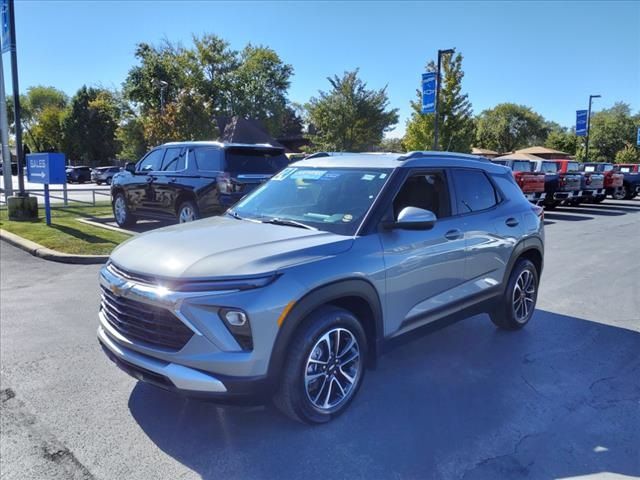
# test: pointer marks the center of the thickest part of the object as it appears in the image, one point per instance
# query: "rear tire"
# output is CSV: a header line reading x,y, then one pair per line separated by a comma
x,y
519,300
121,212
620,193
330,346
187,212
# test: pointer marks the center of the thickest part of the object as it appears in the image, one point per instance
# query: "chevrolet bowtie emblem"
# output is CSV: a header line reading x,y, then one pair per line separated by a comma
x,y
119,290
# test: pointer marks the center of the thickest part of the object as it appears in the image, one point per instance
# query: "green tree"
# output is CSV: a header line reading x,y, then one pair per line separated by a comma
x,y
455,121
40,104
629,154
90,126
259,87
561,138
350,117
508,127
611,130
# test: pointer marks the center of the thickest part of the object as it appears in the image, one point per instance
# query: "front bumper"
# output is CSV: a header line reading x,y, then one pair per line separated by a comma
x,y
186,381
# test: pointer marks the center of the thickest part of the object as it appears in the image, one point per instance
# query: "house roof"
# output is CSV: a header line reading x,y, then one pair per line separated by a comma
x,y
518,156
538,150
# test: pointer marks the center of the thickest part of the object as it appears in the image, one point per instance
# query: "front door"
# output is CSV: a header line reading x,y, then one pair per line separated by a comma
x,y
423,267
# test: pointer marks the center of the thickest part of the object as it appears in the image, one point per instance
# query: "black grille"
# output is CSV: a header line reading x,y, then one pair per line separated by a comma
x,y
139,321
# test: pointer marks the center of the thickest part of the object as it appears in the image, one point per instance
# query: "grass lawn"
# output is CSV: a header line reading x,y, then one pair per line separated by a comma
x,y
66,234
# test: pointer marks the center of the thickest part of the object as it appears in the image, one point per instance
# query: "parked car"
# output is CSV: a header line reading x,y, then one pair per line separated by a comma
x,y
78,174
559,186
531,183
613,180
591,183
299,287
190,180
102,175
631,181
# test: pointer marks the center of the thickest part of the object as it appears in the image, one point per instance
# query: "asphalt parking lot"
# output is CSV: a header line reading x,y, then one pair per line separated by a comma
x,y
559,399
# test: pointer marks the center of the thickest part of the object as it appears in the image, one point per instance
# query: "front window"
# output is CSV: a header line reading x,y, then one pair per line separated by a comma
x,y
330,199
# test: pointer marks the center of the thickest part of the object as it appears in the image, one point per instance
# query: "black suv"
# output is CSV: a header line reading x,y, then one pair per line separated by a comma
x,y
78,174
190,180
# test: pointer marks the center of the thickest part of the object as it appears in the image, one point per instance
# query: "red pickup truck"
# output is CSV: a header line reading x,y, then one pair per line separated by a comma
x,y
591,183
613,180
531,183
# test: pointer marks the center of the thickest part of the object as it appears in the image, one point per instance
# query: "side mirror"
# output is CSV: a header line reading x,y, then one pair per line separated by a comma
x,y
130,167
413,218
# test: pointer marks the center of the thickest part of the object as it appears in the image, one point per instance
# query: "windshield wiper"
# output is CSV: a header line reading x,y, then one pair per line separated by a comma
x,y
287,222
234,214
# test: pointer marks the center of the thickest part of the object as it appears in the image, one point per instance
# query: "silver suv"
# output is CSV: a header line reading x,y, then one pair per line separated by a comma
x,y
298,288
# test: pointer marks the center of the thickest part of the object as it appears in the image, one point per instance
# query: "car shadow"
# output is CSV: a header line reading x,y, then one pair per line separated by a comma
x,y
85,237
557,215
616,206
557,399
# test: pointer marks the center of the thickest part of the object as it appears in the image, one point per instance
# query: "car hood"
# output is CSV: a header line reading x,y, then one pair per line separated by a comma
x,y
224,247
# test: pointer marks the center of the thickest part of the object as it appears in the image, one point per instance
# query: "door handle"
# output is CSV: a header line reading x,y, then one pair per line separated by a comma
x,y
453,235
512,222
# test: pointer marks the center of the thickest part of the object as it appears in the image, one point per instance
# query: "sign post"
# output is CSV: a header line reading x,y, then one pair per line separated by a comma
x,y
47,169
638,137
581,122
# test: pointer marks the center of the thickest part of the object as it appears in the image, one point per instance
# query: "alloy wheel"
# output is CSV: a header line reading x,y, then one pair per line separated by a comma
x,y
332,370
187,214
524,296
120,210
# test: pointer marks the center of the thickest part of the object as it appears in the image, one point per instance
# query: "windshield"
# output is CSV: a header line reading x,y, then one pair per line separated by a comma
x,y
334,199
549,167
573,166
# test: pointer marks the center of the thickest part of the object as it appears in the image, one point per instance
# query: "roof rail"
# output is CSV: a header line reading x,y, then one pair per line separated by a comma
x,y
426,154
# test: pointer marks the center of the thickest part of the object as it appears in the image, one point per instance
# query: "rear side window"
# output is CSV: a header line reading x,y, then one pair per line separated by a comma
x,y
549,167
174,160
152,161
257,161
521,167
474,191
208,159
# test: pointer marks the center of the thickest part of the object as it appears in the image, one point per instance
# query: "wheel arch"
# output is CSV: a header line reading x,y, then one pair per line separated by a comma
x,y
185,195
356,295
530,248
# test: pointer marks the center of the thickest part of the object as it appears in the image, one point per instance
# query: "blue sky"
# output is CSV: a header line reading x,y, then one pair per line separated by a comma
x,y
549,56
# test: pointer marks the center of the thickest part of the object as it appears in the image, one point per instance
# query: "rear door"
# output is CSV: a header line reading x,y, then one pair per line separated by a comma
x,y
206,163
167,183
490,226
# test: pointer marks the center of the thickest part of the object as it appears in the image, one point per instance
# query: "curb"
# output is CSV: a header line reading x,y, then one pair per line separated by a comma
x,y
45,253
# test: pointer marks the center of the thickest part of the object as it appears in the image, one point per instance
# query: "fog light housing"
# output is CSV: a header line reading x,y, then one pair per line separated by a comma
x,y
237,322
236,318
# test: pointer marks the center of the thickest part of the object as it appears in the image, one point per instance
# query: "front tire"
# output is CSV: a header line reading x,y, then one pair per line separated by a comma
x,y
324,368
121,212
519,300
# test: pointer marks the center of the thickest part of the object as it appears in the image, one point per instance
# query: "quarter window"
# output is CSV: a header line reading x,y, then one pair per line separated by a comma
x,y
152,161
474,191
208,159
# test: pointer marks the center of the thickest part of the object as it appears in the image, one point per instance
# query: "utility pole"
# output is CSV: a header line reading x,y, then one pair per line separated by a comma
x,y
16,98
586,148
438,77
4,137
